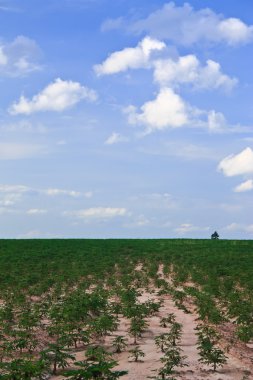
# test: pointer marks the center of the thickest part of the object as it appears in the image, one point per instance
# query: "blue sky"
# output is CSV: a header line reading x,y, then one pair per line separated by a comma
x,y
126,120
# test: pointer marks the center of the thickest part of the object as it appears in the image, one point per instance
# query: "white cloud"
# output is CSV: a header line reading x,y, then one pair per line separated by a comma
x,y
238,164
88,194
216,121
142,221
130,58
183,25
138,222
187,227
183,150
9,199
36,211
245,186
115,138
70,193
12,193
111,24
231,207
19,57
57,96
234,31
99,213
188,69
155,201
56,192
5,210
3,57
23,126
5,8
16,151
33,234
13,188
189,151
249,228
168,110
235,227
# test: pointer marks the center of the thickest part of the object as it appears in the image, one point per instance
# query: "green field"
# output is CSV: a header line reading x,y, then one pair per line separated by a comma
x,y
36,265
70,284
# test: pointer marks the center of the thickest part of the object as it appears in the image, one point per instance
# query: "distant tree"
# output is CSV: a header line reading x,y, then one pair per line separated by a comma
x,y
215,235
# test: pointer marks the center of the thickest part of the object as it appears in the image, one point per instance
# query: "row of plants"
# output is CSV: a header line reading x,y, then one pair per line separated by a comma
x,y
59,296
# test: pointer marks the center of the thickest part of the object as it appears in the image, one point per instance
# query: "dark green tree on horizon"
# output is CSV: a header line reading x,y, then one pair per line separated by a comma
x,y
215,236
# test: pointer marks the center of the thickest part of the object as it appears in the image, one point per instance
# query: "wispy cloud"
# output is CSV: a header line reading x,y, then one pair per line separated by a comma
x,y
36,211
184,25
17,151
19,57
115,138
16,191
186,228
98,213
237,227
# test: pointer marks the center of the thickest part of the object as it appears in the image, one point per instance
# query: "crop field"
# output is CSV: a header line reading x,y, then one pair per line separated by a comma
x,y
131,309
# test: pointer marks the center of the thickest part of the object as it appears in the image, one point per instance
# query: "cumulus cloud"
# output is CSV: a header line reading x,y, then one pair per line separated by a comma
x,y
19,57
188,69
99,213
245,186
237,164
185,26
57,96
130,58
115,138
167,110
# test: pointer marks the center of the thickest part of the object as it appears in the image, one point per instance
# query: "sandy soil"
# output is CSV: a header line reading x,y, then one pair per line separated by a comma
x,y
233,370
